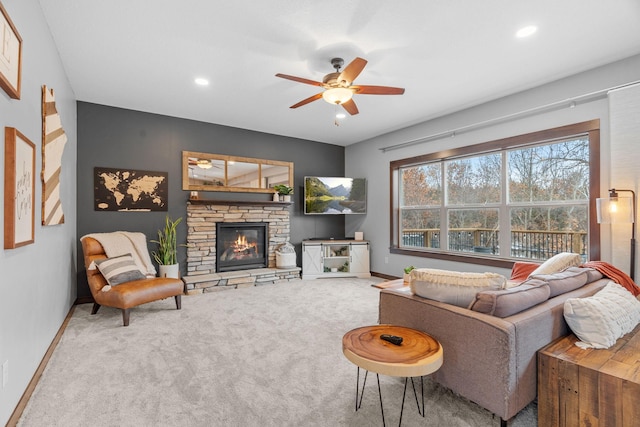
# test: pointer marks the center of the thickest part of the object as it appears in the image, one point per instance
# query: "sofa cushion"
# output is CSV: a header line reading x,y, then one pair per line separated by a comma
x,y
119,269
565,281
453,287
599,320
505,302
557,263
592,273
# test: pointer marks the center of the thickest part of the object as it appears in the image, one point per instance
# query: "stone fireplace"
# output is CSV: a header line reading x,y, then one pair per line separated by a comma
x,y
203,221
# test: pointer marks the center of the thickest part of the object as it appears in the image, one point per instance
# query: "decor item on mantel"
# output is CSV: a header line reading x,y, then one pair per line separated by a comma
x,y
285,191
166,255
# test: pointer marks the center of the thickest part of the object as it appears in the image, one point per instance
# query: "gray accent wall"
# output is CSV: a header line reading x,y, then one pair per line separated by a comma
x,y
37,284
125,139
367,160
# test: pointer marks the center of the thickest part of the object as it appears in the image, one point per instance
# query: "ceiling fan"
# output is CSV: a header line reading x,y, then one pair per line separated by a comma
x,y
339,88
202,163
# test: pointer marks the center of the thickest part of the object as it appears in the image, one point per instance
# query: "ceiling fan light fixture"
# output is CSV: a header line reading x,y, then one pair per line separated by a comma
x,y
204,164
337,95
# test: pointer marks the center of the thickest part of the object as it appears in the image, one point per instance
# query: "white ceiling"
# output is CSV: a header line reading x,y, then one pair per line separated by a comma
x,y
448,54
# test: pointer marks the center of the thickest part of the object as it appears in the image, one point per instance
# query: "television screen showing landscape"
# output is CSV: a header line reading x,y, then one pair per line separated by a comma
x,y
328,195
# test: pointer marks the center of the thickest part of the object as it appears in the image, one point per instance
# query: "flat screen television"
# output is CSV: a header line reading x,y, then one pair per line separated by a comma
x,y
334,195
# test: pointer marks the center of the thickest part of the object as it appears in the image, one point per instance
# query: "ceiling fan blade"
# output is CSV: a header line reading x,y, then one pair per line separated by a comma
x,y
308,100
300,80
351,107
352,70
377,90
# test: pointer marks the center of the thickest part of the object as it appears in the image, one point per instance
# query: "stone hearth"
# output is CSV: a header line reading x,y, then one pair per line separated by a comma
x,y
238,279
202,216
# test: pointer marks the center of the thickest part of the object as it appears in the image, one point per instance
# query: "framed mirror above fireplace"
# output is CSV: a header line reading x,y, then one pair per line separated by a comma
x,y
217,172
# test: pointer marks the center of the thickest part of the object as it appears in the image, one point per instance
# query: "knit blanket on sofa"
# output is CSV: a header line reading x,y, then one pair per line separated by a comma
x,y
615,274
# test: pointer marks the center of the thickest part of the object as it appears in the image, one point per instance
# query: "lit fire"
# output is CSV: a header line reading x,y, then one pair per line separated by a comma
x,y
242,245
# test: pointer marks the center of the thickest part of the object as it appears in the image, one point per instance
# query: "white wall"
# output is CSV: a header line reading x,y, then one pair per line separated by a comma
x,y
365,159
37,281
624,108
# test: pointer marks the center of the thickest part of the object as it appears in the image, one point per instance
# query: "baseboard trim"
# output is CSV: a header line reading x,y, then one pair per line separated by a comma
x,y
384,276
84,300
22,403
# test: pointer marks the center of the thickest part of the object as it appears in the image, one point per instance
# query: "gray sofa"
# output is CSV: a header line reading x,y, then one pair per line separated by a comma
x,y
488,360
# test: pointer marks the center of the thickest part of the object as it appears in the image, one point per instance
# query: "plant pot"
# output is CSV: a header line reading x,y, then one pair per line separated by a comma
x,y
172,270
286,197
406,277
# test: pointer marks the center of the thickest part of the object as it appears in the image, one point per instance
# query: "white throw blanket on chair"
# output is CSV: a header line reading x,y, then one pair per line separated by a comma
x,y
125,242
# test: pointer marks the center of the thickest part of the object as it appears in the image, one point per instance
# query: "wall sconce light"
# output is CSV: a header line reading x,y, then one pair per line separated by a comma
x,y
620,210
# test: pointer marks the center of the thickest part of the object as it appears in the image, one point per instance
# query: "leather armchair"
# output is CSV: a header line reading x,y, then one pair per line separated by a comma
x,y
129,294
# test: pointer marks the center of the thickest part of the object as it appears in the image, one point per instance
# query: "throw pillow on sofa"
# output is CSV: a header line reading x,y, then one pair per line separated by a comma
x,y
557,263
506,302
522,269
599,320
452,287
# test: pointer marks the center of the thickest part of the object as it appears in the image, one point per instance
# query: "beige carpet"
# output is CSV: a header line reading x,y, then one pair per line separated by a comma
x,y
262,356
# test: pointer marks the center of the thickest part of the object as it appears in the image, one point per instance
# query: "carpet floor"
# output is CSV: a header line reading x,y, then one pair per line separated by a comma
x,y
264,356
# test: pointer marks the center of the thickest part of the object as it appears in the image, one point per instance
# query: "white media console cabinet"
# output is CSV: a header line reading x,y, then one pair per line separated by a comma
x,y
335,258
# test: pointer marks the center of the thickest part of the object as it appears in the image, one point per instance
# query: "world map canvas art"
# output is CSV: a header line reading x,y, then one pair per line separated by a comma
x,y
130,190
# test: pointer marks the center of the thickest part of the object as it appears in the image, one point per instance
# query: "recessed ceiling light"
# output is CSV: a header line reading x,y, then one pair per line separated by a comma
x,y
202,82
340,115
526,31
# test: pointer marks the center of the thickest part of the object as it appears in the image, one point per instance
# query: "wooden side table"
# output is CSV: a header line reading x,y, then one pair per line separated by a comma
x,y
592,386
391,284
419,354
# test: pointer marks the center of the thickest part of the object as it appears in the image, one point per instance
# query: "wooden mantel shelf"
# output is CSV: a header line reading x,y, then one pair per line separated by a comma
x,y
238,202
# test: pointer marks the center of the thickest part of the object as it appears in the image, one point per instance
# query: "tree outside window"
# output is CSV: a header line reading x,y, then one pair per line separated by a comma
x,y
529,201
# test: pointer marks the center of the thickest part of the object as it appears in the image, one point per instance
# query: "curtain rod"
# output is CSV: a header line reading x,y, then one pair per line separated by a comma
x,y
565,103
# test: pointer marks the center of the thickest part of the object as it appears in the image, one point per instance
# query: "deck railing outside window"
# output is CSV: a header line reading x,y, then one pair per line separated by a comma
x,y
531,244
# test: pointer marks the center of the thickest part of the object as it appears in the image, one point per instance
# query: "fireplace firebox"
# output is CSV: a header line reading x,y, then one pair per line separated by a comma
x,y
241,245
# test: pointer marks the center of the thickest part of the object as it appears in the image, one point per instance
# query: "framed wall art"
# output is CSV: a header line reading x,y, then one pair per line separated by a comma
x,y
53,141
130,190
19,189
10,56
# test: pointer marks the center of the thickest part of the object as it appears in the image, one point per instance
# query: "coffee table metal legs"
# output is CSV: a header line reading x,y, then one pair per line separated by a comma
x,y
381,407
360,394
358,405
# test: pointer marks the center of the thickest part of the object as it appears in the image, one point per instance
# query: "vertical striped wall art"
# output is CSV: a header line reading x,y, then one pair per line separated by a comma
x,y
53,142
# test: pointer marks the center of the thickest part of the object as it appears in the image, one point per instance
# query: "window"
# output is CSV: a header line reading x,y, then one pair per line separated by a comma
x,y
526,197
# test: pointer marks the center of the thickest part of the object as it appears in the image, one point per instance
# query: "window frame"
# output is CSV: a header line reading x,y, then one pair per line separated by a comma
x,y
590,128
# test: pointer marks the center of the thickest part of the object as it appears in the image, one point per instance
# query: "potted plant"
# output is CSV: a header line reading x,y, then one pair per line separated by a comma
x,y
166,255
285,191
407,273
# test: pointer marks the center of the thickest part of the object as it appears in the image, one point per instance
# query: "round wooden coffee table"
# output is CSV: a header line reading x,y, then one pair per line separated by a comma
x,y
418,355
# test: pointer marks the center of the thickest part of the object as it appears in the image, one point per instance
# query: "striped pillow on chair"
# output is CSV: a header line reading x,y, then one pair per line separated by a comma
x,y
119,269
